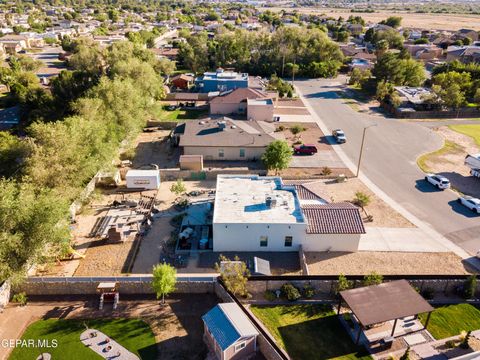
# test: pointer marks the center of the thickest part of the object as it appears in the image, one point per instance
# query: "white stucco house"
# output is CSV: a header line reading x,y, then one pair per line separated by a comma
x,y
253,213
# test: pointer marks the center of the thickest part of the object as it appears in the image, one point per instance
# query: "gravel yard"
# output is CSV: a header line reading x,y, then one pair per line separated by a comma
x,y
386,263
383,214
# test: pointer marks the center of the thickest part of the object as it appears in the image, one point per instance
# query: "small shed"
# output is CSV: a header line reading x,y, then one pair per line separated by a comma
x,y
145,179
229,332
191,162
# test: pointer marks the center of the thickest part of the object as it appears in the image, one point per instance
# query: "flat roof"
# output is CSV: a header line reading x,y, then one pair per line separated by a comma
x,y
388,301
243,199
142,173
259,101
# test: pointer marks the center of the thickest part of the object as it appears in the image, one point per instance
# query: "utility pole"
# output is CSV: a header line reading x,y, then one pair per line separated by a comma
x,y
361,147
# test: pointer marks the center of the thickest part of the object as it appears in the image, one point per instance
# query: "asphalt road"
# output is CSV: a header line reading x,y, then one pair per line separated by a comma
x,y
389,161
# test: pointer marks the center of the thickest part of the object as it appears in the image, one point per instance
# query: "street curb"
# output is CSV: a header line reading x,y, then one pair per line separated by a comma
x,y
387,199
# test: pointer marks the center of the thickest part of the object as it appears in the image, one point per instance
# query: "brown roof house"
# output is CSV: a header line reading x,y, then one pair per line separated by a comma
x,y
182,81
238,101
226,139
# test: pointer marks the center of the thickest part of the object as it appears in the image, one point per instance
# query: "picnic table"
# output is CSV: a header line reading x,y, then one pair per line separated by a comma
x,y
104,346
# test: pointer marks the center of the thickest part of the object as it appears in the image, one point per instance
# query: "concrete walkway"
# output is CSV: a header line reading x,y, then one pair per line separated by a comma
x,y
400,240
104,346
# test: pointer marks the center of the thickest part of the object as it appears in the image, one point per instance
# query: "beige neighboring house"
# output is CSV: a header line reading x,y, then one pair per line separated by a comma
x,y
260,109
226,139
424,51
236,102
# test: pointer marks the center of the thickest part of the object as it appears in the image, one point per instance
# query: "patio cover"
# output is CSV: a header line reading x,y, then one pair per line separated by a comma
x,y
388,301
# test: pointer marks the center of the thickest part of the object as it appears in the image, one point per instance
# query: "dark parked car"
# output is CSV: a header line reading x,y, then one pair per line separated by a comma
x,y
305,149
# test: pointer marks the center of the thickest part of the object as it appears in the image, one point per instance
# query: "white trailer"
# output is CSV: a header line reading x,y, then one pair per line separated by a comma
x,y
143,179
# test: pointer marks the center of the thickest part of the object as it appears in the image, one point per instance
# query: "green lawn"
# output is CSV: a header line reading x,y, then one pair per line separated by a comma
x,y
472,130
133,334
451,320
162,114
309,332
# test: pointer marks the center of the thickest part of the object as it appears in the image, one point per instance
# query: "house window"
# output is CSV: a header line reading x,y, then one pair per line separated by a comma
x,y
240,346
242,153
288,241
263,241
221,154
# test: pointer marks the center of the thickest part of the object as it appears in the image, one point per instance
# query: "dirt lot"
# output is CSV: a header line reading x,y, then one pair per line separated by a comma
x,y
383,215
153,148
415,20
154,244
449,161
386,263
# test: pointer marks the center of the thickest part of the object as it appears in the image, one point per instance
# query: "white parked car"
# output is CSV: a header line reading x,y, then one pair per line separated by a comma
x,y
439,181
471,203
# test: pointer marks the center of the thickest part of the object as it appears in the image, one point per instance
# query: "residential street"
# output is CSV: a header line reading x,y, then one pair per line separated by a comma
x,y
389,161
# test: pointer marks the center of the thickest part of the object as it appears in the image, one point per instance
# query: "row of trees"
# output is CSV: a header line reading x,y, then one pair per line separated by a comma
x,y
107,98
307,52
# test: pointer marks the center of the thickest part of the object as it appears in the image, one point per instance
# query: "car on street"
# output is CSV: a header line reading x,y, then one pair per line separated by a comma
x,y
339,135
470,202
305,149
441,182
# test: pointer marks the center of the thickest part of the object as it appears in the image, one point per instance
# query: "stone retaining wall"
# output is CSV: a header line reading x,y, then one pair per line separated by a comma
x,y
125,287
325,287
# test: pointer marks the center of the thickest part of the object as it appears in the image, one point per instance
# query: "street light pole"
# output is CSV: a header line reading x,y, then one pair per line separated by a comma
x,y
361,147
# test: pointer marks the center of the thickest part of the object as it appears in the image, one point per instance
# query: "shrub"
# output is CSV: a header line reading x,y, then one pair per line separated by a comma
x,y
290,292
361,199
427,293
281,128
470,286
20,298
451,344
464,344
269,295
372,279
128,154
296,129
326,170
308,291
343,283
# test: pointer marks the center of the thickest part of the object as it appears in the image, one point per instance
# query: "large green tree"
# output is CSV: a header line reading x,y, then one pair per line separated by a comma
x,y
164,280
277,156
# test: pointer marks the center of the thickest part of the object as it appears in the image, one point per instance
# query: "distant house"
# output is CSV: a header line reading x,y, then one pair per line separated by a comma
x,y
466,33
236,102
424,51
465,54
229,333
226,139
182,81
413,98
221,80
169,53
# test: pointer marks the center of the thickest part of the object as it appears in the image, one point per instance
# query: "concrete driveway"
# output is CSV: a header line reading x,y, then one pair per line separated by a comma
x,y
389,160
321,159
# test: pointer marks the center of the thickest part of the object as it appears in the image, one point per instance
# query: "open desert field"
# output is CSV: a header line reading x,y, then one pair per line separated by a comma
x,y
414,20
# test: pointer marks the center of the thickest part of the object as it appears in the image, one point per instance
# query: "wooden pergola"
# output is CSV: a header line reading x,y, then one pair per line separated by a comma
x,y
385,302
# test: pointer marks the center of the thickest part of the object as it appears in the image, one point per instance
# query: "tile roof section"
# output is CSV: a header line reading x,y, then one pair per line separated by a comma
x,y
333,218
239,95
208,133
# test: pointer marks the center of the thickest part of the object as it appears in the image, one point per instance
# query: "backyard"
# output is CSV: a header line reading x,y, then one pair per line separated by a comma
x,y
451,320
309,331
163,114
133,334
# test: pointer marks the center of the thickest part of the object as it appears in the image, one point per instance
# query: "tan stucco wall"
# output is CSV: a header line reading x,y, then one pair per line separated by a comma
x,y
260,112
226,109
230,153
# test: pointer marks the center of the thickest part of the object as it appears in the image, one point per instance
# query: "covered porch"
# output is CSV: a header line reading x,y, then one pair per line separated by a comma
x,y
382,314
